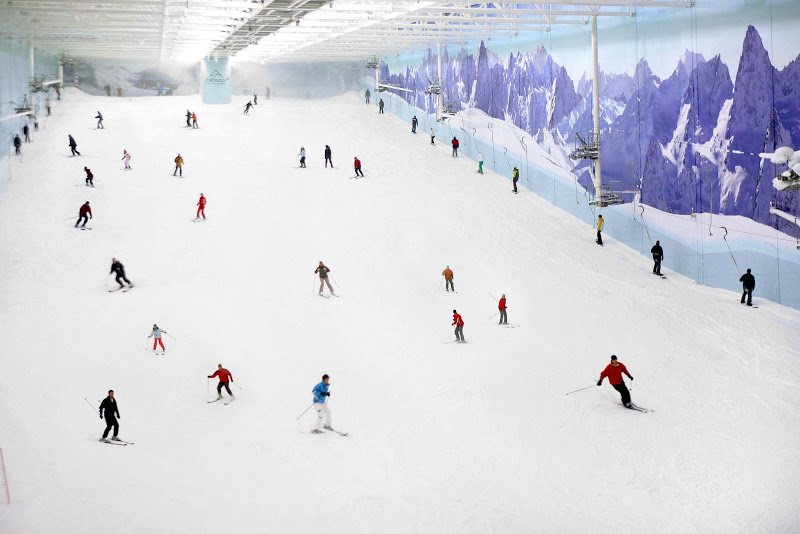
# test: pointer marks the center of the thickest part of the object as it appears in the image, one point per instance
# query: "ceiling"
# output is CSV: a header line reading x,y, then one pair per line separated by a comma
x,y
284,30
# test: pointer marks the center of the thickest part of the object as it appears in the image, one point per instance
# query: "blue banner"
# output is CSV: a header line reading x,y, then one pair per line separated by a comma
x,y
216,85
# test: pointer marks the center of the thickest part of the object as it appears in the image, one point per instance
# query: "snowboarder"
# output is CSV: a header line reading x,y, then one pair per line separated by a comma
x,y
156,335
302,155
480,162
328,156
178,164
454,142
255,99
448,279
126,157
26,132
89,177
17,145
85,209
414,122
117,267
357,165
201,207
323,271
658,257
108,409
188,119
367,96
380,106
515,179
99,118
614,372
73,145
458,322
224,378
433,136
321,395
748,285
501,305
195,126
247,107
600,225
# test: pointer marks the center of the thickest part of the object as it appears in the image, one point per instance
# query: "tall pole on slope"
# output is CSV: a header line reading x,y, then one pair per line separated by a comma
x,y
598,180
30,68
439,80
377,78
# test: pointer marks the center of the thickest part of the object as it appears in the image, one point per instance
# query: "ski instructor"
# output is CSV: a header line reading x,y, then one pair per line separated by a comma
x,y
614,372
321,395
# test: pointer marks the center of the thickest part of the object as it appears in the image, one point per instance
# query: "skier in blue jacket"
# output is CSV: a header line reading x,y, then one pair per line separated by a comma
x,y
321,395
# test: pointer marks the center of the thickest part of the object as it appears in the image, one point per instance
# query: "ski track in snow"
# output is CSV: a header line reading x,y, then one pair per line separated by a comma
x,y
443,437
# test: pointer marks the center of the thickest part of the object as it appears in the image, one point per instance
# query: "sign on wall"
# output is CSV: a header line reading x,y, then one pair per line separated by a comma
x,y
216,85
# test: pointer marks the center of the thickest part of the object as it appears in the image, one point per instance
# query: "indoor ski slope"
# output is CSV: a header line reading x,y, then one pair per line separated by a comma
x,y
444,438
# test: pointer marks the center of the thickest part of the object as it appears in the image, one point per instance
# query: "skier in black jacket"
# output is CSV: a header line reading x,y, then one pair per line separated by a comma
x,y
117,267
748,285
658,257
26,132
17,144
188,118
328,156
73,145
414,123
109,406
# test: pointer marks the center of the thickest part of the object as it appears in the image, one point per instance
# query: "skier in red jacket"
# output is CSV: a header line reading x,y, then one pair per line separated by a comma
x,y
85,209
201,207
357,165
89,177
458,322
224,377
614,372
455,147
501,305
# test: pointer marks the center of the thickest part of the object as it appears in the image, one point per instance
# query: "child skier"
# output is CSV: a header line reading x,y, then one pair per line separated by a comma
x,y
194,121
156,334
126,157
89,177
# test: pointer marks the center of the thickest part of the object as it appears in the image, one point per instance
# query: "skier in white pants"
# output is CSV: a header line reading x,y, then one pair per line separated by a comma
x,y
321,395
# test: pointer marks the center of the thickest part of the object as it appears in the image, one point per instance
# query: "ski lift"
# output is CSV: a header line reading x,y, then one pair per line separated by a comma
x,y
373,63
789,180
434,88
23,106
609,195
586,149
37,83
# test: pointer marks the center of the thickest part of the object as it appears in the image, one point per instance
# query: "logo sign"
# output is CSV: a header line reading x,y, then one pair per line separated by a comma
x,y
216,78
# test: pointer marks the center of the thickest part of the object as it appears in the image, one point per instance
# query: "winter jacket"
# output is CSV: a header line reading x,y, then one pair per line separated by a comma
x,y
515,176
224,375
357,163
179,161
327,153
455,143
448,274
501,305
84,210
157,333
202,201
414,121
127,157
99,116
457,320
323,271
118,268
72,142
109,406
89,173
614,373
320,392
17,141
600,224
657,251
25,129
194,117
381,104
433,134
748,281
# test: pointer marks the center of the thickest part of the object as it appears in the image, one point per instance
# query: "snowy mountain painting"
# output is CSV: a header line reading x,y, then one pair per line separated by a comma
x,y
680,136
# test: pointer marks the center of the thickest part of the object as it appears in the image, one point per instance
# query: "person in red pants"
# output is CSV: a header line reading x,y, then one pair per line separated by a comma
x,y
201,207
157,335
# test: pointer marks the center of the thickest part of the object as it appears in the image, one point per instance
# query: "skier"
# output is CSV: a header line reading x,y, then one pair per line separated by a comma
x,y
188,119
36,124
433,136
49,109
178,164
26,132
321,395
156,335
454,142
328,156
614,372
255,99
17,145
126,157
458,322
501,305
515,178
194,121
224,377
89,177
480,162
85,209
99,118
73,145
448,279
117,267
600,225
367,96
268,91
658,257
201,207
247,107
58,93
357,165
380,106
108,409
748,284
323,271
302,155
414,122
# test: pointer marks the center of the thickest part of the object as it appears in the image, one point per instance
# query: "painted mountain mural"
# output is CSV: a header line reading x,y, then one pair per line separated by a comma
x,y
686,139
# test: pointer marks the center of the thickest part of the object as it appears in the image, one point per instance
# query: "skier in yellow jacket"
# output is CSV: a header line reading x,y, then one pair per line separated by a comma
x,y
178,165
600,224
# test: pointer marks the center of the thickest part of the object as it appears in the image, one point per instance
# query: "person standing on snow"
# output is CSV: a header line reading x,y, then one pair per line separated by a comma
x,y
458,322
321,395
73,145
501,305
414,122
126,157
156,335
26,132
178,164
201,207
448,279
328,156
454,142
614,372
89,177
480,163
748,285
188,119
117,267
380,106
99,118
366,95
357,165
108,409
247,107
17,144
302,155
658,257
515,178
84,211
268,92
323,271
255,99
194,121
224,378
600,225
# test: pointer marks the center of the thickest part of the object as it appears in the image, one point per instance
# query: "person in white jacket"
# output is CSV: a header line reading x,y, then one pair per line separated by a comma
x,y
480,162
156,333
302,155
126,157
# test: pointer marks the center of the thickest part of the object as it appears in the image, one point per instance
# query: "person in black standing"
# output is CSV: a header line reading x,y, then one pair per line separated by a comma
x,y
255,99
328,156
117,267
658,257
108,409
748,285
17,144
26,132
414,123
89,177
73,145
188,119
366,95
515,178
380,106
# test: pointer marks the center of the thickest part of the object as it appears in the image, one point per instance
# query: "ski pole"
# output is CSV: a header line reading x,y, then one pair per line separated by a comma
x,y
170,335
237,385
334,281
69,218
90,406
492,296
577,390
304,412
493,316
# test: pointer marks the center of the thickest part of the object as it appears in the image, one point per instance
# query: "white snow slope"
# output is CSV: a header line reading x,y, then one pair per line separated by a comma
x,y
443,437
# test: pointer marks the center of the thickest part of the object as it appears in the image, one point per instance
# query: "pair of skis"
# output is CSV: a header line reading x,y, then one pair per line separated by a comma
x,y
220,398
116,442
